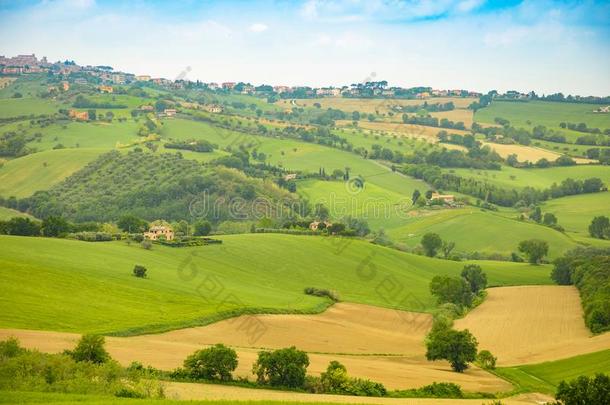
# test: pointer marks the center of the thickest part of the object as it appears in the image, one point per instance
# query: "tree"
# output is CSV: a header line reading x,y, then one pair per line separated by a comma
x,y
486,360
512,160
447,248
214,363
451,289
415,196
475,277
431,242
585,390
534,249
600,227
132,224
90,348
202,228
139,271
549,219
536,215
335,378
283,367
457,347
55,226
20,226
562,271
92,115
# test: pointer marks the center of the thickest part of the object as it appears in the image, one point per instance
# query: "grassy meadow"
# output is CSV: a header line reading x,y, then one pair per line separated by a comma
x,y
547,113
189,286
475,230
39,171
545,377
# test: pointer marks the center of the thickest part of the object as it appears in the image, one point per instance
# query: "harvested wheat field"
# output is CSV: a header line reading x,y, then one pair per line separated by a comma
x,y
532,324
190,391
459,114
380,344
529,153
407,130
371,105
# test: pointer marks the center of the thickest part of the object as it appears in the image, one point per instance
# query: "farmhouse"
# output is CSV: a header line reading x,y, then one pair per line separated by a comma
x,y
169,112
228,85
146,107
213,108
105,89
446,198
79,115
290,176
328,92
316,224
157,231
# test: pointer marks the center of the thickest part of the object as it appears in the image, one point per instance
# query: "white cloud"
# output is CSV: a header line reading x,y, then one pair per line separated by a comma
x,y
258,27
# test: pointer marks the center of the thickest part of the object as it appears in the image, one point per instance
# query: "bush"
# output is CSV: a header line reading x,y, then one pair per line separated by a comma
x,y
451,290
10,348
442,390
91,236
283,367
90,348
534,249
585,390
322,293
214,363
139,271
486,360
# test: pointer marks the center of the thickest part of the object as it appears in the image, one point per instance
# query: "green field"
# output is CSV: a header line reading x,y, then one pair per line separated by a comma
x,y
51,283
546,113
514,178
576,212
13,107
39,171
7,213
475,230
545,377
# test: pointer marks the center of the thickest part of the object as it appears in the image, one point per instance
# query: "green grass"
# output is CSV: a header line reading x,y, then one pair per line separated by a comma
x,y
23,176
545,377
575,213
513,178
7,213
13,107
65,285
475,230
546,113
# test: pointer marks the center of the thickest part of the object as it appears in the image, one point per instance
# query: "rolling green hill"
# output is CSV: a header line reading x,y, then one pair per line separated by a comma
x,y
575,212
39,171
475,230
66,285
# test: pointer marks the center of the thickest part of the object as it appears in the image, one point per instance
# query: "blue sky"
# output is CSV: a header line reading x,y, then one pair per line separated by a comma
x,y
546,46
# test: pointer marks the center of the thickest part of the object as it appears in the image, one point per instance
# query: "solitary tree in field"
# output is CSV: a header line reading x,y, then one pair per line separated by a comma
x,y
457,347
549,219
139,271
90,348
534,249
214,363
431,242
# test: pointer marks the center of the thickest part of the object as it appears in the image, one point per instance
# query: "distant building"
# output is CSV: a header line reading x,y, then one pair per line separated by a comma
x,y
12,70
143,78
146,107
446,198
156,232
169,112
247,89
281,89
422,95
65,86
290,176
228,85
315,225
80,80
79,115
105,89
213,108
329,91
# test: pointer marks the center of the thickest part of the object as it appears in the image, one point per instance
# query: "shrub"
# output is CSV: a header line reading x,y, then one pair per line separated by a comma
x,y
214,363
146,244
139,271
534,249
90,348
442,390
486,360
10,348
322,293
283,367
